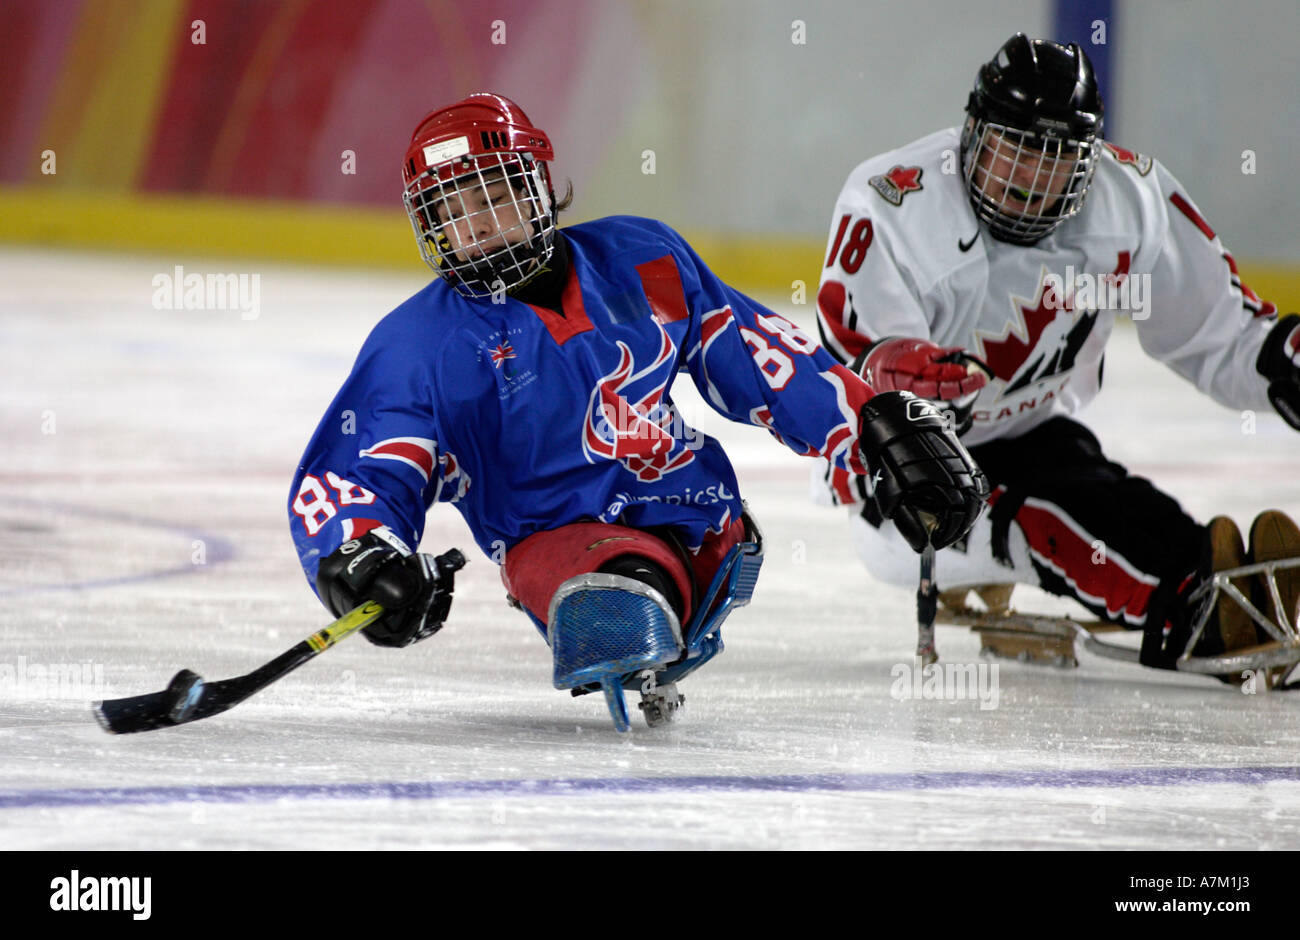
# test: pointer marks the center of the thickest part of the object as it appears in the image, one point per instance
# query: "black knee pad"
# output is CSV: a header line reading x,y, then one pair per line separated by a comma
x,y
651,573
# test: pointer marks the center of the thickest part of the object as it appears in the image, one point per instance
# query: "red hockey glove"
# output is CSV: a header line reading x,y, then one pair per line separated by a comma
x,y
1279,362
951,377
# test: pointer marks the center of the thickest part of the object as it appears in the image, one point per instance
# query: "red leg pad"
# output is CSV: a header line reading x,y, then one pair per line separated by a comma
x,y
537,566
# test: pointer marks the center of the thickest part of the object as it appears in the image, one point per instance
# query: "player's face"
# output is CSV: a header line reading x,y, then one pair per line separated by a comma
x,y
479,218
1022,175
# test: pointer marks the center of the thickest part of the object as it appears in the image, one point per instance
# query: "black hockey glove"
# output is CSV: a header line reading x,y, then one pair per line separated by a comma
x,y
1279,362
919,473
415,590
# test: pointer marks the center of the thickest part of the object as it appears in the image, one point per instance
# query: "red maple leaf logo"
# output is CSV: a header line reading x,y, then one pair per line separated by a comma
x,y
897,183
906,179
1006,356
1131,157
1123,155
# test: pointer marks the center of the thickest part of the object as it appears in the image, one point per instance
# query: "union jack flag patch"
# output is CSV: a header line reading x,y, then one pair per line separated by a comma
x,y
502,353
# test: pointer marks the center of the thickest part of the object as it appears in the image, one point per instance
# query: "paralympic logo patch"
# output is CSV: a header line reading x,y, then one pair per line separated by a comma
x,y
629,420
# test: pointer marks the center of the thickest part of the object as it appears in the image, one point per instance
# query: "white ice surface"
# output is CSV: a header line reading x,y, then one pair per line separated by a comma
x,y
138,441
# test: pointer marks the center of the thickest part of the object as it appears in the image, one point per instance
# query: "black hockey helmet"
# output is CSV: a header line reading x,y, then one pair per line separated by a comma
x,y
1035,116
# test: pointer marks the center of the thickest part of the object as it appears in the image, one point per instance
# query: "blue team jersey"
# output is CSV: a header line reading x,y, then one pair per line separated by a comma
x,y
527,419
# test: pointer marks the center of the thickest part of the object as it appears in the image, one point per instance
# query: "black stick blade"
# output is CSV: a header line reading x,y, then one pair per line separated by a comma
x,y
175,705
136,713
187,698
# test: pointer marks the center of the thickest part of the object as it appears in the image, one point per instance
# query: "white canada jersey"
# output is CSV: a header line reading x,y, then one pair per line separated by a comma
x,y
907,257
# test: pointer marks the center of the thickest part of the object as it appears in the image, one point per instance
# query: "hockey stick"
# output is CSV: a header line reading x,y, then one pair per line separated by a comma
x,y
188,698
927,604
927,596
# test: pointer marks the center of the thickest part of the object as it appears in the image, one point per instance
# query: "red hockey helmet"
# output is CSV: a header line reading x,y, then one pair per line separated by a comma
x,y
479,195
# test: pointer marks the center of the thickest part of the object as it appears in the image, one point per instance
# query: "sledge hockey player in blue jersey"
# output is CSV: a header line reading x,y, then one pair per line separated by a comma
x,y
529,386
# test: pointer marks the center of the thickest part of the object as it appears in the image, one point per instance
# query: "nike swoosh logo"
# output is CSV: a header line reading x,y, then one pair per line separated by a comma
x,y
965,246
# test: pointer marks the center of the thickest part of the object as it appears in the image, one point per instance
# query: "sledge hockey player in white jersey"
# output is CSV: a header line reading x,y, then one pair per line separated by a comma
x,y
529,386
981,267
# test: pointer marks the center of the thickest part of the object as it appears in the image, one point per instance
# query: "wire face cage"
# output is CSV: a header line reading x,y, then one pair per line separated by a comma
x,y
483,223
1022,185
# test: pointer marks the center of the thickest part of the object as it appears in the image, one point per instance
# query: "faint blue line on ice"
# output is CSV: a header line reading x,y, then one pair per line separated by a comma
x,y
216,548
792,783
